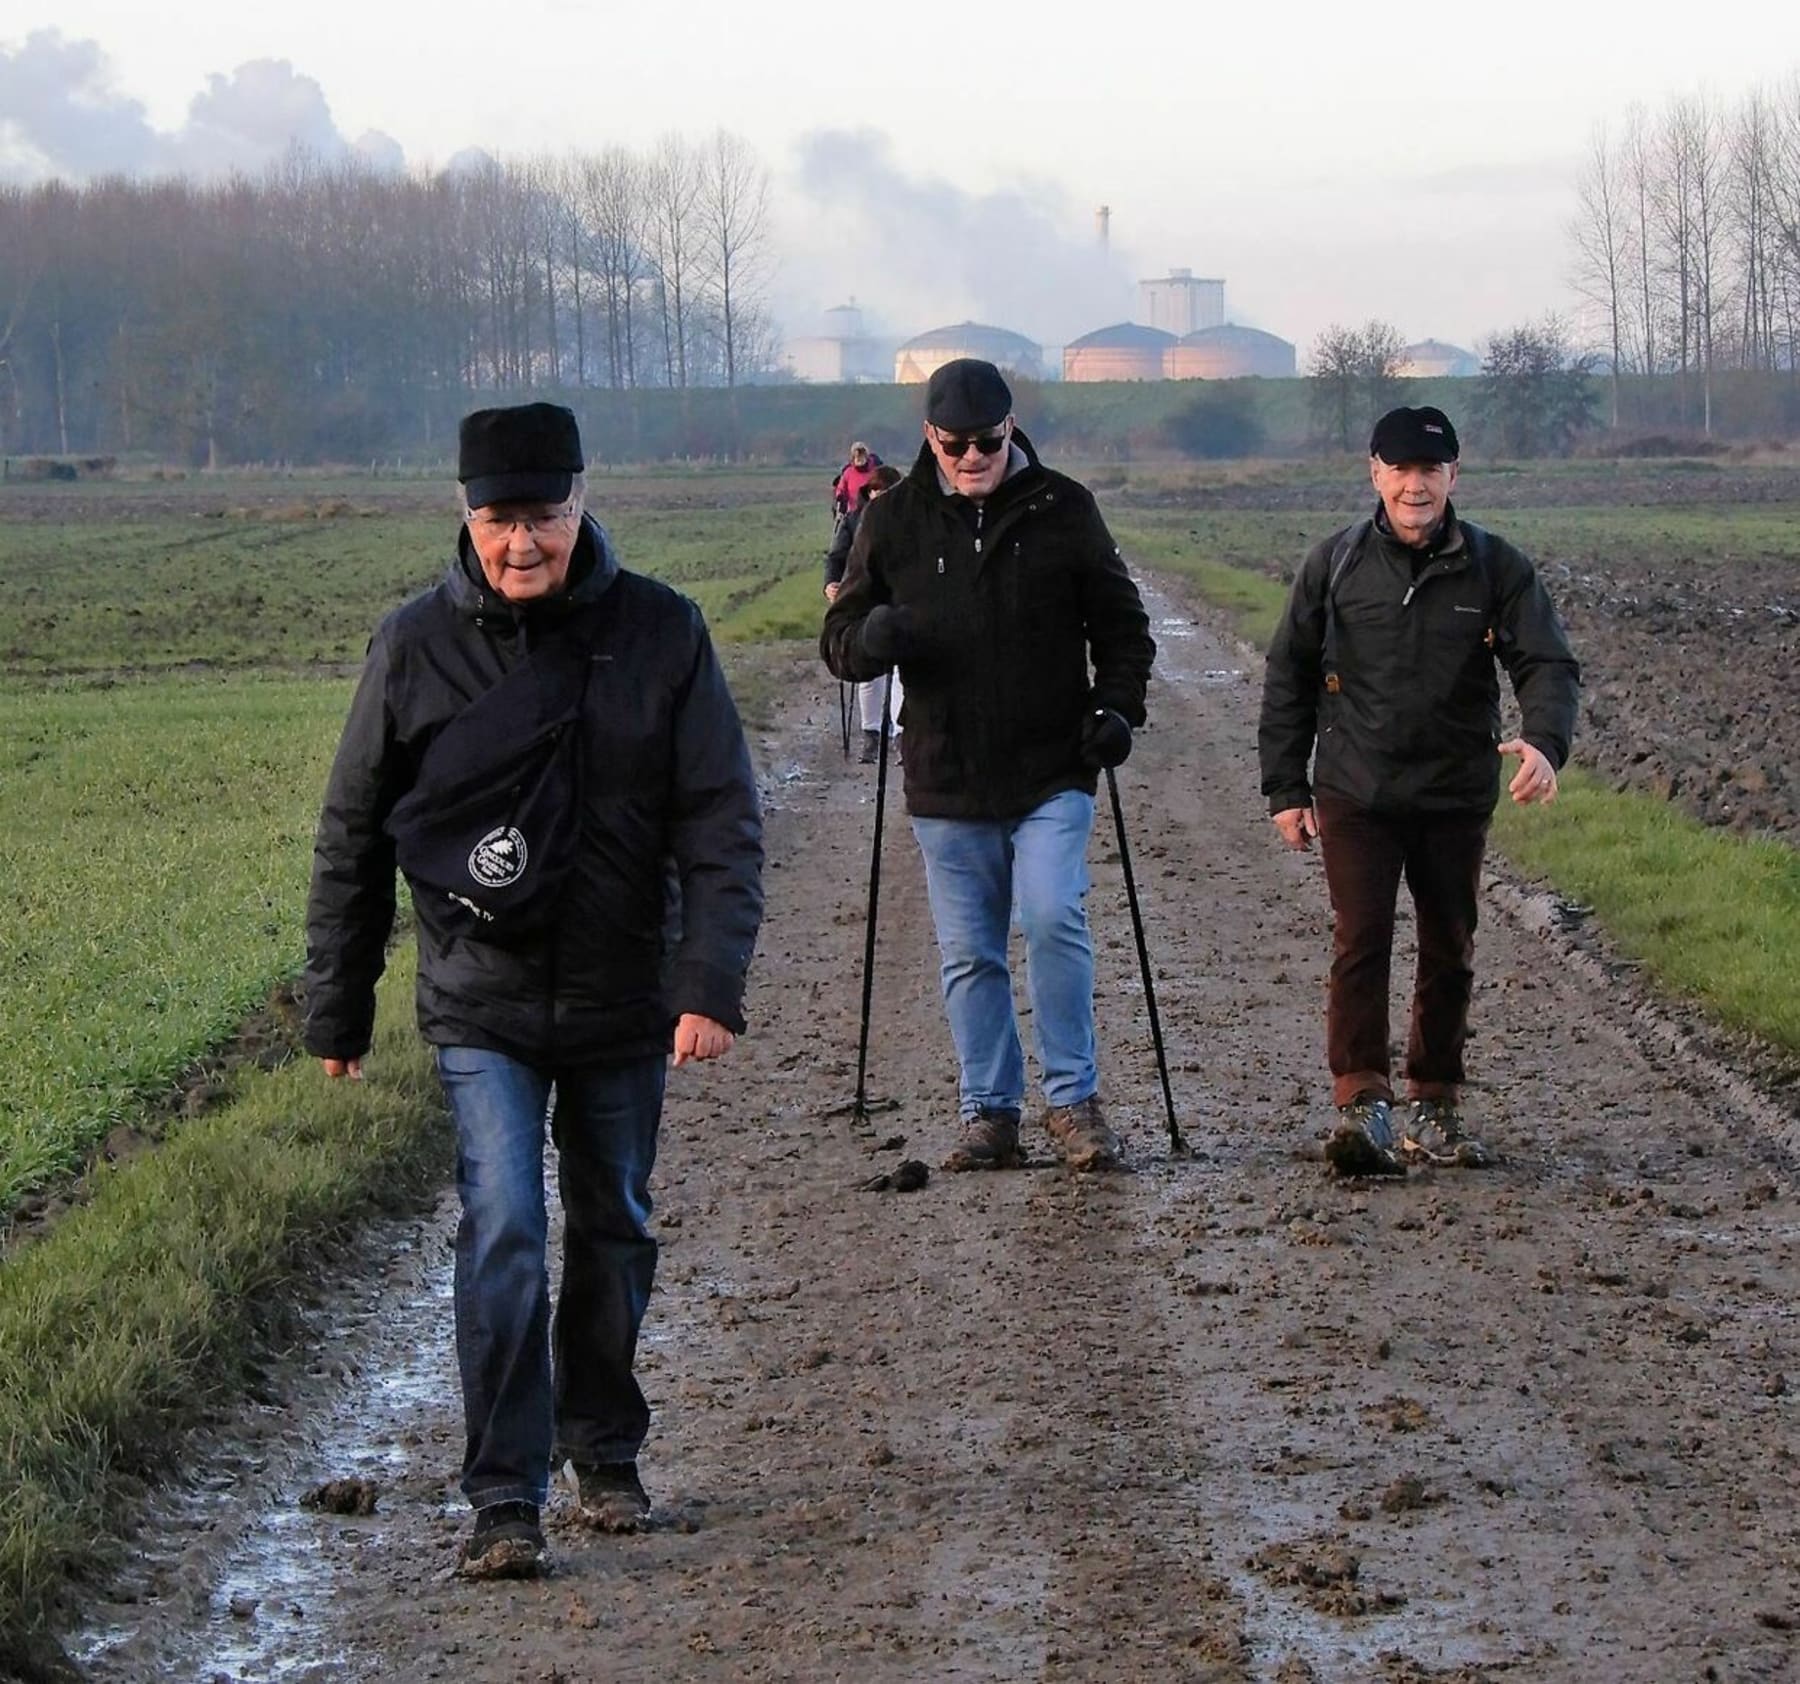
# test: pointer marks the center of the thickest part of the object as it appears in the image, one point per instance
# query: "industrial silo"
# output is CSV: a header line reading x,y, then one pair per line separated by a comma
x,y
1229,352
918,358
1124,351
1432,359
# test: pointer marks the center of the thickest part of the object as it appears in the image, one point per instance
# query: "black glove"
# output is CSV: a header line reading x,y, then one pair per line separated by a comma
x,y
1105,739
888,635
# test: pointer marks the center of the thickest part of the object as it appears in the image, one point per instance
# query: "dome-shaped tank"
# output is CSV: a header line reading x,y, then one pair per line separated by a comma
x,y
1433,359
919,358
1229,353
1125,351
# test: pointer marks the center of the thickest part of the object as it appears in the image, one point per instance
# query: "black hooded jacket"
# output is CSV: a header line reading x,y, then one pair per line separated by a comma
x,y
1008,599
1410,717
660,912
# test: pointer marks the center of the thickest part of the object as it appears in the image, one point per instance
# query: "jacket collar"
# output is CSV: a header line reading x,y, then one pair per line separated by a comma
x,y
1022,461
1447,540
592,569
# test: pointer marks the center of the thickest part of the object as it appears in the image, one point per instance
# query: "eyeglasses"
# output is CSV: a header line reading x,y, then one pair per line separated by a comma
x,y
987,443
487,525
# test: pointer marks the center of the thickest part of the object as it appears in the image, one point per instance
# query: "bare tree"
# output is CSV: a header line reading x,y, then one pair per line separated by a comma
x,y
675,242
1354,373
734,213
1601,248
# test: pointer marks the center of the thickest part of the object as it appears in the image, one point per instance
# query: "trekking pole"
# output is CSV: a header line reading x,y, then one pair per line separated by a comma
x,y
1176,1143
844,715
860,1109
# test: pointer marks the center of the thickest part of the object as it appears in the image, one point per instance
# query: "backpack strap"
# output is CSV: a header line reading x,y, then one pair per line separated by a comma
x,y
1344,555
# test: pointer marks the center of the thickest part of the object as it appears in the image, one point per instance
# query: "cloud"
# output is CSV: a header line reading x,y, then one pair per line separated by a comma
x,y
920,252
60,115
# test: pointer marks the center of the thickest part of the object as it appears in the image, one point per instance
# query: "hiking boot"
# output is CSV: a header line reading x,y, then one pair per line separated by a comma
x,y
990,1140
871,749
507,1543
1363,1142
1082,1137
1433,1133
609,1497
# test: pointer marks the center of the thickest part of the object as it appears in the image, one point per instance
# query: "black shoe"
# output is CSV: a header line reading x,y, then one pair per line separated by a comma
x,y
1363,1142
1434,1133
507,1543
990,1140
871,749
610,1497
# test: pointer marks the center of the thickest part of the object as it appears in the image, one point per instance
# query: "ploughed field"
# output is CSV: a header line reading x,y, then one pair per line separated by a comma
x,y
1680,584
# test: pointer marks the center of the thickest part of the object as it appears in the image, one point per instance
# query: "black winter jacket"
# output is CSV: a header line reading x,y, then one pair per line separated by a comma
x,y
1008,599
660,912
1413,719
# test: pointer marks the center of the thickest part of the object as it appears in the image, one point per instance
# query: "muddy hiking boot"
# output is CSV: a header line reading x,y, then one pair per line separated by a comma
x,y
507,1543
609,1497
1082,1137
990,1140
1433,1133
1363,1142
871,749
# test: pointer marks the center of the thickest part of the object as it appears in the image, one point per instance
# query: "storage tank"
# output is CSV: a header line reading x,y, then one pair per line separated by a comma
x,y
1433,359
1229,353
1124,351
919,358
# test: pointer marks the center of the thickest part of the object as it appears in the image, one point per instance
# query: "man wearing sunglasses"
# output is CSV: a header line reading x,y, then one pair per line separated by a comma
x,y
995,586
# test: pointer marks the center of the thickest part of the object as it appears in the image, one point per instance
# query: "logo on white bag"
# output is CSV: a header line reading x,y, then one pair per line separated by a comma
x,y
497,861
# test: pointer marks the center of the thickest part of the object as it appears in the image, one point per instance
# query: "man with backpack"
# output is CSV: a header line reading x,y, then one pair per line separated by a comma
x,y
1385,664
543,744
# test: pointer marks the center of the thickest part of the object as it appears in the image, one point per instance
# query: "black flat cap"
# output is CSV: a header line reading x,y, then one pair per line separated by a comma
x,y
1414,435
529,453
966,395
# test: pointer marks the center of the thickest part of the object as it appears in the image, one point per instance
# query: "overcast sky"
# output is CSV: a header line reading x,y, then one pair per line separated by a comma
x,y
1331,162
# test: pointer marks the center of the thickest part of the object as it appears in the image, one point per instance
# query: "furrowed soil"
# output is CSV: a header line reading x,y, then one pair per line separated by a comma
x,y
1219,1418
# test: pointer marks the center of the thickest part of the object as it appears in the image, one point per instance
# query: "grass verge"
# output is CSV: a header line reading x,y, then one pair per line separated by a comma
x,y
144,1307
1713,917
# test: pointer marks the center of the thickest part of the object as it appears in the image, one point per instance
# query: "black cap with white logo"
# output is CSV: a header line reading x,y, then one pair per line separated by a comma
x,y
1414,435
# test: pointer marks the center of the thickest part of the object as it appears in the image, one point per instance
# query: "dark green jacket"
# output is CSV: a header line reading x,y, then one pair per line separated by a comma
x,y
1010,599
1410,718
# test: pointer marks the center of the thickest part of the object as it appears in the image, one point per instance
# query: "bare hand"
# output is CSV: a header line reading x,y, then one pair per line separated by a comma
x,y
699,1037
1535,779
831,590
339,1068
1298,826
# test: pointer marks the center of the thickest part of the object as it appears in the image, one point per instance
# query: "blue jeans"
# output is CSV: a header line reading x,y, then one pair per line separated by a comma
x,y
530,1388
978,873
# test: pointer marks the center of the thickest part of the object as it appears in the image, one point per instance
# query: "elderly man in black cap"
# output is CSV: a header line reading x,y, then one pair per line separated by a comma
x,y
1385,660
993,582
543,743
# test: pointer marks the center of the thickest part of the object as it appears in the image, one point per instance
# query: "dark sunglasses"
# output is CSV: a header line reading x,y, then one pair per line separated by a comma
x,y
987,443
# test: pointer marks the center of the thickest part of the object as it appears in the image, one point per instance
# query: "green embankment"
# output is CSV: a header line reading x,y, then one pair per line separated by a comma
x,y
158,800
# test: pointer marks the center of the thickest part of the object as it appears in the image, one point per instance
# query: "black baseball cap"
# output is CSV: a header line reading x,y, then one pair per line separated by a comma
x,y
967,395
529,453
1414,435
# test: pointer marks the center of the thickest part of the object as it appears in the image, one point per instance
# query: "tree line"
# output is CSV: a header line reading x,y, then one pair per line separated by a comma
x,y
1687,245
332,311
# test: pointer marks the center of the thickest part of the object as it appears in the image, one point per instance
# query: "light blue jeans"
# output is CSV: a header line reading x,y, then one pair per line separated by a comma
x,y
980,874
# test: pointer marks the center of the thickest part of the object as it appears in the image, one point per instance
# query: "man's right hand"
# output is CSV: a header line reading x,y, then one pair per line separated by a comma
x,y
888,635
1298,826
832,589
339,1068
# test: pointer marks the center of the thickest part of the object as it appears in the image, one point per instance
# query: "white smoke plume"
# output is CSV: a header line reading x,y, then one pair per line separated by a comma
x,y
62,116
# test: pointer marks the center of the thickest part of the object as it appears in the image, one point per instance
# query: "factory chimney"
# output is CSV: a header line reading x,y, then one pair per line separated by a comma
x,y
1103,225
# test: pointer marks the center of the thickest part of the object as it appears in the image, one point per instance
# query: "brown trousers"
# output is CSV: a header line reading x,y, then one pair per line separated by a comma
x,y
1366,854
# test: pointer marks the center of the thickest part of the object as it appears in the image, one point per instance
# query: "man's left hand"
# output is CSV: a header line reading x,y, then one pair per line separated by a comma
x,y
700,1037
1535,779
1105,739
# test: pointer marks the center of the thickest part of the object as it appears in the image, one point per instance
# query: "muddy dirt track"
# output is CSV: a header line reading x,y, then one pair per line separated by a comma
x,y
1218,1419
